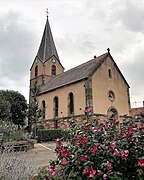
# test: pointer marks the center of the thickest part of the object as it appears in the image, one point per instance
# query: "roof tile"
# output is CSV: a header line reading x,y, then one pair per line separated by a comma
x,y
75,74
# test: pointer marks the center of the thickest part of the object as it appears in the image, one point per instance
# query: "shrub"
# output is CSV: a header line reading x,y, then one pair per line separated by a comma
x,y
15,136
9,132
42,174
50,134
97,150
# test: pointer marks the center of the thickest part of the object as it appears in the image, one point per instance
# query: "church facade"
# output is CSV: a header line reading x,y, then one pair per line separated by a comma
x,y
97,84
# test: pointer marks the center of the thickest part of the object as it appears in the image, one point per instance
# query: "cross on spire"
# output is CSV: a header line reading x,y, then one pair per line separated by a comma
x,y
47,12
108,49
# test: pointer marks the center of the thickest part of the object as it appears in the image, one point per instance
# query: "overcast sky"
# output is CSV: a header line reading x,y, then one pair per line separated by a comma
x,y
81,29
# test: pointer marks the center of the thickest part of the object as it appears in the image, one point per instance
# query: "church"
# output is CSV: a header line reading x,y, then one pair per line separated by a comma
x,y
97,84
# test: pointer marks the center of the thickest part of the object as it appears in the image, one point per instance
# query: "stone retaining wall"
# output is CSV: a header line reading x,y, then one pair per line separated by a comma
x,y
63,123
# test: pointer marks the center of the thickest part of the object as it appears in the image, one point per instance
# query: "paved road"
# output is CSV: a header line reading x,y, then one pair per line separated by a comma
x,y
43,152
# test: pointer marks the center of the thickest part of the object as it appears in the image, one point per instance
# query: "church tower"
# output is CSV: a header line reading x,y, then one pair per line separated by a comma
x,y
46,64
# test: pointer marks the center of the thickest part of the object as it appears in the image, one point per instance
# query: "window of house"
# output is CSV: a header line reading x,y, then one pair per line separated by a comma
x,y
110,73
43,109
36,71
71,103
53,70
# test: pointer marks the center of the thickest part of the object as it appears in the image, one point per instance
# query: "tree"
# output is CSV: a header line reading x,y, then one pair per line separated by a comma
x,y
18,106
34,112
4,109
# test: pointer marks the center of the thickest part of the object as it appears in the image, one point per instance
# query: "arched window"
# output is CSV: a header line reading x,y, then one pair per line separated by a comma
x,y
43,109
53,70
109,73
111,96
71,103
55,101
55,106
112,113
36,71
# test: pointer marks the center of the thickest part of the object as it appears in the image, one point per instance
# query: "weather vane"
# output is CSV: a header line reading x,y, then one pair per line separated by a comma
x,y
47,12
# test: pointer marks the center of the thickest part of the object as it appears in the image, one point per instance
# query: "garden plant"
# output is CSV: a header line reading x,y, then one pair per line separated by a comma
x,y
100,150
17,165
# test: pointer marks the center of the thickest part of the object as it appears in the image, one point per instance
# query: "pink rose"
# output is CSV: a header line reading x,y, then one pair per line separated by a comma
x,y
60,148
113,145
109,165
125,155
141,163
64,161
104,177
116,152
58,141
83,158
92,173
117,122
134,125
141,124
86,127
130,132
100,173
85,140
64,153
142,131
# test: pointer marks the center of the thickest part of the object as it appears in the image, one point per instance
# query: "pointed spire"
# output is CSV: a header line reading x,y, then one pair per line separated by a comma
x,y
47,47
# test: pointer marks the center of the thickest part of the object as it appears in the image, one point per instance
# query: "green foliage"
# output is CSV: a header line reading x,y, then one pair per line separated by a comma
x,y
4,109
16,136
16,104
34,111
42,174
9,132
50,134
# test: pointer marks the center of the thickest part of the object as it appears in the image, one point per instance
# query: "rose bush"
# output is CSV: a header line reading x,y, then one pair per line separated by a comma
x,y
100,150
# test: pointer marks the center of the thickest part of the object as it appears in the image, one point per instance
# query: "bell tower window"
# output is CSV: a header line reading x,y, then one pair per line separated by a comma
x,y
53,70
109,73
36,71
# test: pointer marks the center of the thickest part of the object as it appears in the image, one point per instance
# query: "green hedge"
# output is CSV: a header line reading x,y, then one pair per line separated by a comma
x,y
51,134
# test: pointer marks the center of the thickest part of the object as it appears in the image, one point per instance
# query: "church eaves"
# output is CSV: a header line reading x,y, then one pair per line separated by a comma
x,y
47,47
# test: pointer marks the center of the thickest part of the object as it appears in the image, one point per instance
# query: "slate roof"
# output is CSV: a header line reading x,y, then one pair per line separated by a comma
x,y
73,75
47,47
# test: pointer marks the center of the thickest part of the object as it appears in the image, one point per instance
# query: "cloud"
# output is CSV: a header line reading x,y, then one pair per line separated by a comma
x,y
133,16
17,42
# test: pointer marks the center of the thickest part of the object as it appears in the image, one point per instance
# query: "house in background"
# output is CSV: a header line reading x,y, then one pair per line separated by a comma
x,y
97,83
135,112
